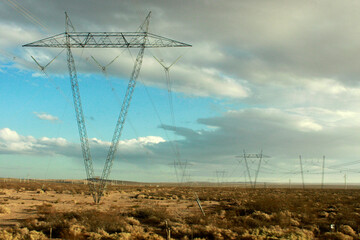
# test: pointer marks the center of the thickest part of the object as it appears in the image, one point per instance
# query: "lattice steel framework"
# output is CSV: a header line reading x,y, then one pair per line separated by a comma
x,y
256,156
106,40
72,39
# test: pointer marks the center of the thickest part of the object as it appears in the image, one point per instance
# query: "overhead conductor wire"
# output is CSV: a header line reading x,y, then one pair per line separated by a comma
x,y
27,14
104,71
156,111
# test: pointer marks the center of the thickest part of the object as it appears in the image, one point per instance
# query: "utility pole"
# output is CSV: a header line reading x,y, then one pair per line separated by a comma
x,y
302,172
72,39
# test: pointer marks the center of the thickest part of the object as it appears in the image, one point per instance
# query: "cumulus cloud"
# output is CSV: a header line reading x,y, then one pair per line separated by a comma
x,y
13,143
7,134
46,116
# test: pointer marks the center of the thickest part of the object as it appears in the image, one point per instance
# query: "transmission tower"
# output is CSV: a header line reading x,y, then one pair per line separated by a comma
x,y
72,39
302,172
220,176
345,178
253,156
177,161
183,166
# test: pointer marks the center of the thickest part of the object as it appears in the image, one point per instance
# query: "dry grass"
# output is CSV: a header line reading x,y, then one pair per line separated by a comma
x,y
4,210
231,213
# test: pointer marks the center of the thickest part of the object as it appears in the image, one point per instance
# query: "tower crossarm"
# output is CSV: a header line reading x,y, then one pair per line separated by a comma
x,y
106,40
253,155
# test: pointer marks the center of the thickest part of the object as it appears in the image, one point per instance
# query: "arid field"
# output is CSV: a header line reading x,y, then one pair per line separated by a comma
x,y
54,210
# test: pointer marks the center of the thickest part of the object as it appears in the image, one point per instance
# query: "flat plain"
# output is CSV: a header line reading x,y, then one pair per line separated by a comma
x,y
66,210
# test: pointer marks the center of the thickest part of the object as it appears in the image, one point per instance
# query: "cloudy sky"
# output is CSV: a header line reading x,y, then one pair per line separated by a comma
x,y
280,77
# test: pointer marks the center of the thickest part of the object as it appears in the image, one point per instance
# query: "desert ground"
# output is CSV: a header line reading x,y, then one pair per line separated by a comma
x,y
66,210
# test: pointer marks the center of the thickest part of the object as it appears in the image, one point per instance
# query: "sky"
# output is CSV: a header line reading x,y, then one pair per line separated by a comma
x,y
277,77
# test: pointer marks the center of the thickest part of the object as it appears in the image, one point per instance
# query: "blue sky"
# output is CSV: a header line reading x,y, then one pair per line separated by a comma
x,y
280,77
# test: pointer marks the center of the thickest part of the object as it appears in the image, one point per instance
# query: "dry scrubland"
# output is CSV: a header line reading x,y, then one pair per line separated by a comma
x,y
39,210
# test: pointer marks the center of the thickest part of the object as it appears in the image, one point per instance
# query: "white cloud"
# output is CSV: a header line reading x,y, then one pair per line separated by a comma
x,y
206,82
13,143
53,141
186,78
309,125
95,141
46,116
9,135
38,74
14,35
149,140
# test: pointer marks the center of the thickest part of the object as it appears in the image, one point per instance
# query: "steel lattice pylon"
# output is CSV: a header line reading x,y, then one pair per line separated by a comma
x,y
257,156
71,39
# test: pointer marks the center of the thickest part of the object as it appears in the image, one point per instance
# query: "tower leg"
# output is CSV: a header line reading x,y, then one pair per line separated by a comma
x,y
248,170
120,124
81,124
258,169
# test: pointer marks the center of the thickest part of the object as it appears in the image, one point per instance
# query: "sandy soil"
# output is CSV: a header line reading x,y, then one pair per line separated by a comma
x,y
22,204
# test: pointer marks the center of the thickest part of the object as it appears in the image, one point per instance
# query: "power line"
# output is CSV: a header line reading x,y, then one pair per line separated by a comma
x,y
161,122
171,106
27,14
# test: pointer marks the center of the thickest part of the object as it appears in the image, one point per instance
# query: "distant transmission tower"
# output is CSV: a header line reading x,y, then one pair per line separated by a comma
x,y
177,161
253,156
183,166
220,176
71,39
302,172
